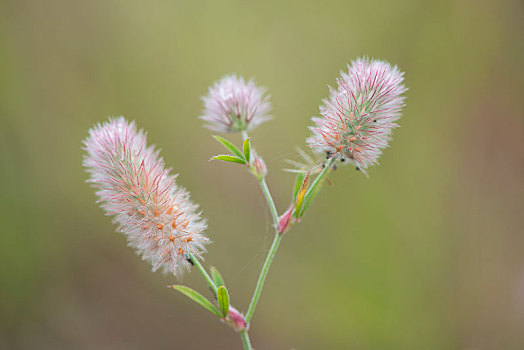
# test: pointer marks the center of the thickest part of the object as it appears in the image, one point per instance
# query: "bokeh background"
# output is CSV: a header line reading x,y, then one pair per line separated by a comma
x,y
426,253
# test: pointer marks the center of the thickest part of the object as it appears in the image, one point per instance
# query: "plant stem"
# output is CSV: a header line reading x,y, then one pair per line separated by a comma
x,y
322,174
262,276
245,340
270,254
204,273
269,200
278,237
272,250
265,191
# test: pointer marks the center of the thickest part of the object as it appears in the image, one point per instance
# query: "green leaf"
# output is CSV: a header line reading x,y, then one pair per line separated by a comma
x,y
300,195
197,297
308,198
298,183
231,159
230,147
217,277
315,186
223,300
246,147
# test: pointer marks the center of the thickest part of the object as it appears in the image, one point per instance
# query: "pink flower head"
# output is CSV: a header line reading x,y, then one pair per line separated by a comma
x,y
359,115
133,184
233,105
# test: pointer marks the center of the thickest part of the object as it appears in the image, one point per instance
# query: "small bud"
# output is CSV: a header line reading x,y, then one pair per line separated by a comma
x,y
257,165
284,222
236,319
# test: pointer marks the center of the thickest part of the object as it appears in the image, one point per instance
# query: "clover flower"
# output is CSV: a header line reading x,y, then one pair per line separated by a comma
x,y
358,117
232,105
133,184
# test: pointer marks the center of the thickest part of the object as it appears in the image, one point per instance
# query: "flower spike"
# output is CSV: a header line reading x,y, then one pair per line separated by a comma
x,y
133,184
358,117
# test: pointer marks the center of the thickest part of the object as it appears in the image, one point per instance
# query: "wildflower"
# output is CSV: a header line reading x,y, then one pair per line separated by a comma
x,y
133,184
233,105
359,115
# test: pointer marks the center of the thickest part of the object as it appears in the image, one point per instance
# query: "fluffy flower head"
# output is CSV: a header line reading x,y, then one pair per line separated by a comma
x,y
360,113
133,184
232,105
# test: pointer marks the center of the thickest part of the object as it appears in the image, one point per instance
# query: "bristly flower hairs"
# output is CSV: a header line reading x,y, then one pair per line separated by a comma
x,y
166,228
233,105
154,213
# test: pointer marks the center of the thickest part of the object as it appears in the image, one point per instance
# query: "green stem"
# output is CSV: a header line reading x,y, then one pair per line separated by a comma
x,y
269,200
245,340
272,250
322,174
265,191
270,254
262,276
278,237
204,273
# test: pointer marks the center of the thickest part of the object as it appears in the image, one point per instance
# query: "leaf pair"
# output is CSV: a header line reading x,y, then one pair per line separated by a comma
x,y
237,156
222,295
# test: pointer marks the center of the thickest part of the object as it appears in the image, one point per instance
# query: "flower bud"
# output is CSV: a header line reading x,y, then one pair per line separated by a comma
x,y
257,165
284,222
236,319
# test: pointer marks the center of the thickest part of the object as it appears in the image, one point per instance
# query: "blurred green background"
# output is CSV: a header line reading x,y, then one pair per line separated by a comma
x,y
426,253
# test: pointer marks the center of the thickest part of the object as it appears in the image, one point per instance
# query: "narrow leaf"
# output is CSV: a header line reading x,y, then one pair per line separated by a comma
x,y
311,193
298,183
197,297
246,147
217,277
300,195
223,300
230,147
227,158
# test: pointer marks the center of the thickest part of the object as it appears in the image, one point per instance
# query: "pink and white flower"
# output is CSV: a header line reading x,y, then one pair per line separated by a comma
x,y
358,117
232,105
156,215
